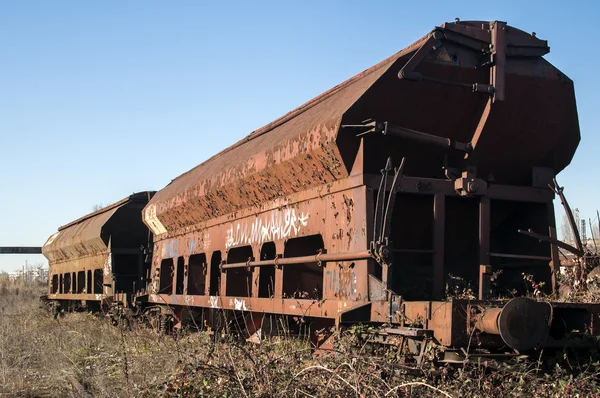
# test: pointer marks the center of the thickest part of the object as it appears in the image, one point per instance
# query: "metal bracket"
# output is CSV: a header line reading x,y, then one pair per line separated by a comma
x,y
497,54
383,213
433,41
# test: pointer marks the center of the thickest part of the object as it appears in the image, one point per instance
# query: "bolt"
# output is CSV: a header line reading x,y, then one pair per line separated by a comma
x,y
384,252
472,187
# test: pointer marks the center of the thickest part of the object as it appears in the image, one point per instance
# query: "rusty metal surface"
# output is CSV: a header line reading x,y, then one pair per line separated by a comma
x,y
487,321
294,153
85,236
322,214
305,147
536,123
79,240
86,251
333,217
454,97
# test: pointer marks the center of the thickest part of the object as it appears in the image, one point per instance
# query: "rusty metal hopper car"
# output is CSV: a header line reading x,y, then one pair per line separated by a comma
x,y
396,198
98,259
370,201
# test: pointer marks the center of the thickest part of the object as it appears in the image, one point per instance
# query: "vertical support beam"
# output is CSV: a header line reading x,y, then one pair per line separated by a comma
x,y
255,276
278,293
223,286
107,282
484,246
206,271
555,262
139,282
186,274
497,77
279,249
439,222
173,275
497,71
207,274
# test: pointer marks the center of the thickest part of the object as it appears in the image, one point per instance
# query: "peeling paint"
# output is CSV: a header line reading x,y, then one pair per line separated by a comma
x,y
152,220
171,248
108,265
239,304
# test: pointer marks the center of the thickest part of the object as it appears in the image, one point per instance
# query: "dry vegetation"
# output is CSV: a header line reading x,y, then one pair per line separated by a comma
x,y
84,355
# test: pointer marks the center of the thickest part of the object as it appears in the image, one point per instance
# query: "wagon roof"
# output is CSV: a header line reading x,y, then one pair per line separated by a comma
x,y
322,109
83,237
300,149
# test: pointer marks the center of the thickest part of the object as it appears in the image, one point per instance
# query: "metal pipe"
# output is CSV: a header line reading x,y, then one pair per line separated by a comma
x,y
488,321
426,138
317,258
558,243
523,256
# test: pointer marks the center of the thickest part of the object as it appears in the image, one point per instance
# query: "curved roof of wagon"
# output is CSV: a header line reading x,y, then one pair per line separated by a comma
x,y
328,106
84,236
321,114
299,150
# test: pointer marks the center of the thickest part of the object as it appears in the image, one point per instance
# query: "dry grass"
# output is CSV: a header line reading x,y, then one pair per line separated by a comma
x,y
81,354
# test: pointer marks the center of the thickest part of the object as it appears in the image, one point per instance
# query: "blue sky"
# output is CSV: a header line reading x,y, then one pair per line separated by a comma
x,y
99,100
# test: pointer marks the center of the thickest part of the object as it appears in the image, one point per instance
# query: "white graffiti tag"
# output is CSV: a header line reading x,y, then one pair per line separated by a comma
x,y
280,225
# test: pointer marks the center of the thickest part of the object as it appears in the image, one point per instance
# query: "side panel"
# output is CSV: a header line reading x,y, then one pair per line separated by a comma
x,y
330,223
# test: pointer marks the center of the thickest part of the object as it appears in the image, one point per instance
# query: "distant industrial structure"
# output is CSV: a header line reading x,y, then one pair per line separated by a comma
x,y
29,274
588,231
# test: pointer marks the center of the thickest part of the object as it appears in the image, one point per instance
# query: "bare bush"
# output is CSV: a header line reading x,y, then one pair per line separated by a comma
x,y
82,354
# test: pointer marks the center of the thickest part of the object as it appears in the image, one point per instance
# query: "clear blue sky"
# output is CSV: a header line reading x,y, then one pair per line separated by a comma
x,y
98,100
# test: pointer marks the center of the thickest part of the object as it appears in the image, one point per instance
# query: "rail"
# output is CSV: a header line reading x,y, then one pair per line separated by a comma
x,y
317,258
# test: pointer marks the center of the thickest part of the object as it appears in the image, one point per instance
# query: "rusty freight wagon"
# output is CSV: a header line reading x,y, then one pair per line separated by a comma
x,y
362,204
98,259
367,204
